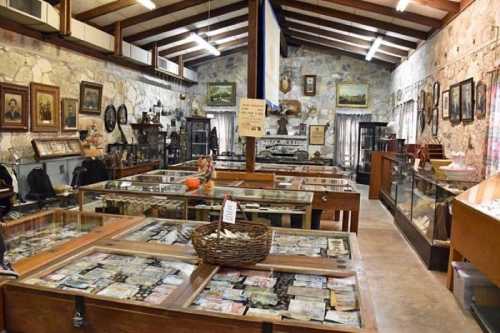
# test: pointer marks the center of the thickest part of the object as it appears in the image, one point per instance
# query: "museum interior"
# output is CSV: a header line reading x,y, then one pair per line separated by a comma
x,y
250,166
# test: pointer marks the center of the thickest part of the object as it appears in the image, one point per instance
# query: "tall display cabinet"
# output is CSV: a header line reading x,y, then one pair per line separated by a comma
x,y
369,139
198,131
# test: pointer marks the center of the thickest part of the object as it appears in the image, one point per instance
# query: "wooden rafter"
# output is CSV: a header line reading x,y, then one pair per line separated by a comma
x,y
187,21
212,39
104,9
386,26
444,5
220,47
389,11
347,28
198,61
184,35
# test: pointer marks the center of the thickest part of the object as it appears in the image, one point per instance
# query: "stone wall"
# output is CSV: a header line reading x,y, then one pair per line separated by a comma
x,y
24,60
466,48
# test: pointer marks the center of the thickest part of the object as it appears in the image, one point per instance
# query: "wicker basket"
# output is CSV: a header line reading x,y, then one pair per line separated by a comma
x,y
232,252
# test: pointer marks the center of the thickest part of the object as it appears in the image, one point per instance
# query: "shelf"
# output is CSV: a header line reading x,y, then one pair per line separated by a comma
x,y
141,126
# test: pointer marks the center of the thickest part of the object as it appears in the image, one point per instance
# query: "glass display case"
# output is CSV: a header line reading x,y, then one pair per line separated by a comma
x,y
198,132
133,154
369,136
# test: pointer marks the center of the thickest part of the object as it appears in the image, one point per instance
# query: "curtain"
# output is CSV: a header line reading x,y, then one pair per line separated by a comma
x,y
347,137
493,153
224,123
406,120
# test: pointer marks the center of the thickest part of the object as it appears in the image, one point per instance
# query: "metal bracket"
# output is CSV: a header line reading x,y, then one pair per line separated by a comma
x,y
79,317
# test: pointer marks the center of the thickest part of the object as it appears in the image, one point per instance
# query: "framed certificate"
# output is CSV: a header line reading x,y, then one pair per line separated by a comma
x,y
317,135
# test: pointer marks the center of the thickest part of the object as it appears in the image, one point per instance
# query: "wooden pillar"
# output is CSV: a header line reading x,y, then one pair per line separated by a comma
x,y
65,17
155,56
180,63
118,39
253,69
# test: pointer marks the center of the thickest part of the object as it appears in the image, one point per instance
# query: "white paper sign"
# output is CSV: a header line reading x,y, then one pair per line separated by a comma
x,y
251,117
417,163
229,213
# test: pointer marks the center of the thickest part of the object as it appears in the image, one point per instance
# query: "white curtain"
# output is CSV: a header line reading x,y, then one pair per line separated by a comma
x,y
406,119
347,138
493,154
224,123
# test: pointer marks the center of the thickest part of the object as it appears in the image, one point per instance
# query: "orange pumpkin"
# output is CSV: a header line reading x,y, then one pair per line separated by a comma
x,y
192,183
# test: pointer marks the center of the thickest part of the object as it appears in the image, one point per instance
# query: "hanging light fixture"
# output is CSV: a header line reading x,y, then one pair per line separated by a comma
x,y
147,3
374,48
402,4
202,42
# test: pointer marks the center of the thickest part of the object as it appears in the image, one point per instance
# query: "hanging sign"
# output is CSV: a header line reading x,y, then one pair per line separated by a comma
x,y
229,213
251,117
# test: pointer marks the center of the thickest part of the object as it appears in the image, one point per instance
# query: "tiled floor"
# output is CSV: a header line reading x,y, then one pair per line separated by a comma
x,y
406,296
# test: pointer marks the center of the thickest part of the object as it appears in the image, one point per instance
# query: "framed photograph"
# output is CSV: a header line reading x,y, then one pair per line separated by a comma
x,y
69,115
352,95
421,100
455,105
480,99
421,120
221,94
110,118
90,98
122,115
436,94
309,85
428,108
435,121
285,83
14,107
467,99
56,147
317,135
445,105
45,105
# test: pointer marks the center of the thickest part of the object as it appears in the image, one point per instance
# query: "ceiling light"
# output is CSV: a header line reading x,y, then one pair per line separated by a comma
x,y
147,3
195,38
374,48
402,4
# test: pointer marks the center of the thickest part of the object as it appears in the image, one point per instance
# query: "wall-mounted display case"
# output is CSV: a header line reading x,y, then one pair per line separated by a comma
x,y
198,132
369,140
132,159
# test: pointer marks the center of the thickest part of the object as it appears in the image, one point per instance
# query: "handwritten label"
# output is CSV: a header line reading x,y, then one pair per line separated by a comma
x,y
251,117
229,213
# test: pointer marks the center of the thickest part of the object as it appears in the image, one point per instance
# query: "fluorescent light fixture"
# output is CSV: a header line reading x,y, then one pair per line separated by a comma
x,y
147,3
402,4
374,48
202,42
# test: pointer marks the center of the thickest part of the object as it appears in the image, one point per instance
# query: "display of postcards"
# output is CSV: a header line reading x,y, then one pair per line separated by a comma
x,y
343,298
311,281
347,318
264,313
228,275
306,310
337,247
260,281
121,276
223,306
163,232
310,292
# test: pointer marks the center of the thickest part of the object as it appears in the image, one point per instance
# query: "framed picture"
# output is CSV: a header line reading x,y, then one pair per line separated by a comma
x,y
455,105
122,114
317,135
285,83
14,107
56,147
44,108
309,85
445,105
292,107
435,121
90,98
352,95
467,99
421,120
69,115
428,108
480,99
221,94
110,118
436,94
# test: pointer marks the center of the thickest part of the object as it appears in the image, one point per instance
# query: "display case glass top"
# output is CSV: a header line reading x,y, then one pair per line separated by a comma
x,y
137,187
144,178
484,197
173,173
256,195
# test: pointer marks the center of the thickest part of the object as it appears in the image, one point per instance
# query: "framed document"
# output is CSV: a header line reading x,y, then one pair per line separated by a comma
x,y
317,135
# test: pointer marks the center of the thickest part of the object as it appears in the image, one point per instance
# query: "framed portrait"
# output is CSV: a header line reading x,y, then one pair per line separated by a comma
x,y
309,85
90,98
445,105
467,99
110,118
45,105
14,107
317,135
454,104
428,108
421,120
69,114
436,91
221,94
421,100
122,115
285,83
480,99
56,147
435,121
352,95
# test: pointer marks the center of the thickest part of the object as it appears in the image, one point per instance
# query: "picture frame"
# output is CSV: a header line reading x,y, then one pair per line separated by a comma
x,y
352,95
292,107
309,85
110,118
436,87
455,104
69,115
467,102
435,121
317,135
445,105
421,100
481,91
91,98
421,120
221,94
44,104
14,107
428,108
56,147
285,83
122,115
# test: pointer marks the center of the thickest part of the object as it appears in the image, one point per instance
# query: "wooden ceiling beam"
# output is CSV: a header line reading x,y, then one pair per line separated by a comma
x,y
385,26
198,61
158,12
212,39
347,28
104,9
220,47
184,35
388,11
444,5
187,21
